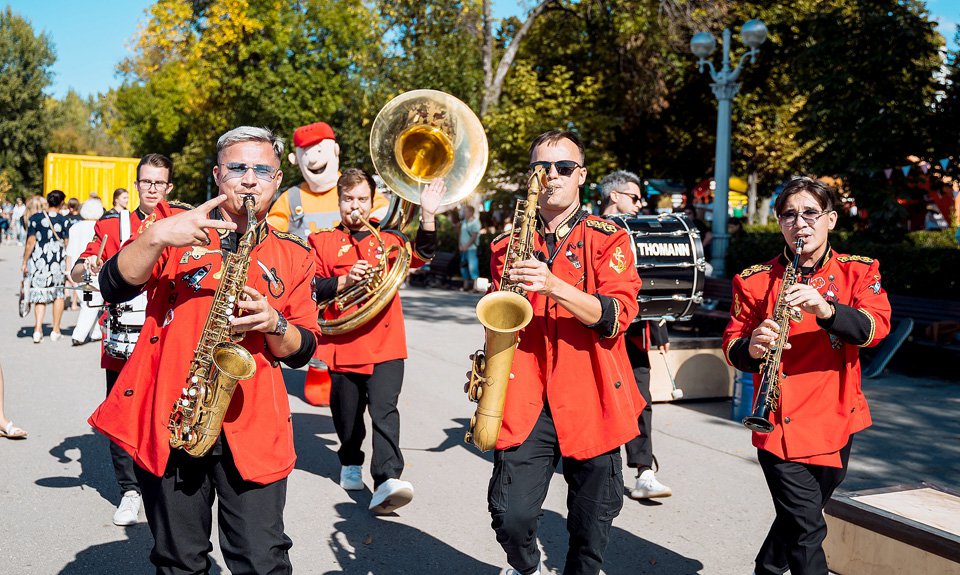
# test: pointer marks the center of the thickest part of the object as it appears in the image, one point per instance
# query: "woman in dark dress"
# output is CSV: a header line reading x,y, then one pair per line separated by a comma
x,y
43,262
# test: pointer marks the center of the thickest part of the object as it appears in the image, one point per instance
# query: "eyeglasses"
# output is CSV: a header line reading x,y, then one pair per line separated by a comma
x,y
261,171
633,197
564,167
791,217
152,185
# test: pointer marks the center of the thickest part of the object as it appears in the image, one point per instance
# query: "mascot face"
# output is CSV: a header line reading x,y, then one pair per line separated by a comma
x,y
319,163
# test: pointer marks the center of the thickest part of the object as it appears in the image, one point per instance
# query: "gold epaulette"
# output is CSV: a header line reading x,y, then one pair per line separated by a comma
x,y
755,269
321,230
500,237
608,228
861,259
292,238
179,205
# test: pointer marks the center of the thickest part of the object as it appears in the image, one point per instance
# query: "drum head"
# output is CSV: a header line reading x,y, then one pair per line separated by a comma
x,y
670,262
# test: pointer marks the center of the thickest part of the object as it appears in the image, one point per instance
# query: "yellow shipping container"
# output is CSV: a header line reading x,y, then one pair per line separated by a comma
x,y
79,176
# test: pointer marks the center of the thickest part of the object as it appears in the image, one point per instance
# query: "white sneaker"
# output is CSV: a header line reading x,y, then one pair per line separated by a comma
x,y
392,494
648,487
37,336
129,509
351,477
512,571
55,336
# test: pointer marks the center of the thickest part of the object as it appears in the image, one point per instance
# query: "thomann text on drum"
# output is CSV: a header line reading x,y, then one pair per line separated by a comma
x,y
663,249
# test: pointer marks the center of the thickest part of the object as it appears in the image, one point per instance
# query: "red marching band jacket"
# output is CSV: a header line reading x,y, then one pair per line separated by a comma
x,y
583,374
258,423
381,339
821,400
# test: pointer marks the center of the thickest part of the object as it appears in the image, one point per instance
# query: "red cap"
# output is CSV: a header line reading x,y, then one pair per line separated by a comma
x,y
311,134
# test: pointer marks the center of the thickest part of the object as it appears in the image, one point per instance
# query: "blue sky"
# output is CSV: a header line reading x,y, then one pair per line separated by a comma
x,y
91,41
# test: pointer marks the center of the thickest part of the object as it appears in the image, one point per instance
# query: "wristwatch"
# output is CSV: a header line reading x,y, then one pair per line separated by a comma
x,y
281,325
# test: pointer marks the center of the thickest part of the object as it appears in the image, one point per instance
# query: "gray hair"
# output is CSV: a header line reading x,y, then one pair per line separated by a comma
x,y
250,134
617,182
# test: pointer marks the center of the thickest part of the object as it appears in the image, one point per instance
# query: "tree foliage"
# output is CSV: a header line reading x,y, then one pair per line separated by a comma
x,y
77,127
25,60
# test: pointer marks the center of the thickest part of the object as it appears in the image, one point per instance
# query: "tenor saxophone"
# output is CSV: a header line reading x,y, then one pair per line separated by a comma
x,y
768,398
219,362
503,313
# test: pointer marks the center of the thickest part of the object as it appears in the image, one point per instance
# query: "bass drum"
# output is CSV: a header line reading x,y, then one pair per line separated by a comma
x,y
670,262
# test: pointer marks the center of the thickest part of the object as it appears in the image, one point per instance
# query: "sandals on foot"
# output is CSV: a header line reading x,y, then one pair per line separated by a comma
x,y
11,431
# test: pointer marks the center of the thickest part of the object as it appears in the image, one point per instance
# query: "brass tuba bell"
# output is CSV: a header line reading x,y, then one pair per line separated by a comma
x,y
423,135
417,137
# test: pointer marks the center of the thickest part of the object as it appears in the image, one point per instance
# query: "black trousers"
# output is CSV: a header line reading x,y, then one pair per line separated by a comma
x,y
800,492
350,396
123,466
179,508
518,487
640,448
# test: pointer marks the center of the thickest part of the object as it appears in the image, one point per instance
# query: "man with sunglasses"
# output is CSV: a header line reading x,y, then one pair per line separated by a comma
x,y
154,182
572,397
621,196
179,259
837,307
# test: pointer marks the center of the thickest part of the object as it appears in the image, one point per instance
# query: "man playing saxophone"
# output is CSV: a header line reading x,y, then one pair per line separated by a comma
x,y
180,259
572,396
366,362
836,306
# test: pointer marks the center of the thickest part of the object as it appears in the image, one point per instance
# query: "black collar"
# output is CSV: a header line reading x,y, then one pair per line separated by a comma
x,y
787,257
565,227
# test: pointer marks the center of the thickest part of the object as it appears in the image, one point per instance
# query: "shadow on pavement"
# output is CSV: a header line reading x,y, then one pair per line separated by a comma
x,y
27,330
719,408
454,440
315,454
130,556
96,470
364,543
626,554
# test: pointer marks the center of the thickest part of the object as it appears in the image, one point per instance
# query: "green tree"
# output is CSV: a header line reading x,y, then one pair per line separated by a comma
x,y
77,127
25,60
202,68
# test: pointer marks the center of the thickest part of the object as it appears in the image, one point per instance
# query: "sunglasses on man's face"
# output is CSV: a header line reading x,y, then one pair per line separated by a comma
x,y
564,167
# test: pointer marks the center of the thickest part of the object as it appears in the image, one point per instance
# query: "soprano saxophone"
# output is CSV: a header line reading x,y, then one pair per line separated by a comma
x,y
503,313
219,362
768,398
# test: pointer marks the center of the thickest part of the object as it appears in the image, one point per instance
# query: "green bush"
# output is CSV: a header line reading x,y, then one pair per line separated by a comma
x,y
924,265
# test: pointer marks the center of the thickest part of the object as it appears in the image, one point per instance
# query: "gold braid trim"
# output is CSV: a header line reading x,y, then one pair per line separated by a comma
x,y
726,352
873,327
616,322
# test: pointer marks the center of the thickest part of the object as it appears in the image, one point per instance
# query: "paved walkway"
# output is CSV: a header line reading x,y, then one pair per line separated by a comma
x,y
57,492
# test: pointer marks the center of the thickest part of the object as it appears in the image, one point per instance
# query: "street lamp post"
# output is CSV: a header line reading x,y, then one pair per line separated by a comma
x,y
725,87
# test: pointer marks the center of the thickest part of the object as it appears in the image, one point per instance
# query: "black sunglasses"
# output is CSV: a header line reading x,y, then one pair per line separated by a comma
x,y
564,167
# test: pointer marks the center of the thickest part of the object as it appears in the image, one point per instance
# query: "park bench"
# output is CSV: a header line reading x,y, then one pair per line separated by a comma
x,y
438,272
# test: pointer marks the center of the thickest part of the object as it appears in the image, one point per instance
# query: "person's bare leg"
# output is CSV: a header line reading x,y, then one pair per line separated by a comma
x,y
3,417
57,314
38,310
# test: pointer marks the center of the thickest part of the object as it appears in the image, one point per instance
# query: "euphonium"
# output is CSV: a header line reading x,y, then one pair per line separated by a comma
x,y
503,313
218,361
374,291
768,397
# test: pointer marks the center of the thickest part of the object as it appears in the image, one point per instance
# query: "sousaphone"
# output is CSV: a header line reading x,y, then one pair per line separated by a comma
x,y
417,137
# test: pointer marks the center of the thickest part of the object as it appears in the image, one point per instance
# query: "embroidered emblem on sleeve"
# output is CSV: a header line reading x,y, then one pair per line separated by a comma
x,y
618,261
737,306
875,286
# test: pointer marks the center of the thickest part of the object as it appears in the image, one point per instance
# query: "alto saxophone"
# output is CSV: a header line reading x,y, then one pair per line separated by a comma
x,y
768,398
219,362
503,313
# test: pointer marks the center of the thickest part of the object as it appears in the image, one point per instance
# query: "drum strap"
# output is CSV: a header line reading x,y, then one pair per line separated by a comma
x,y
124,226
